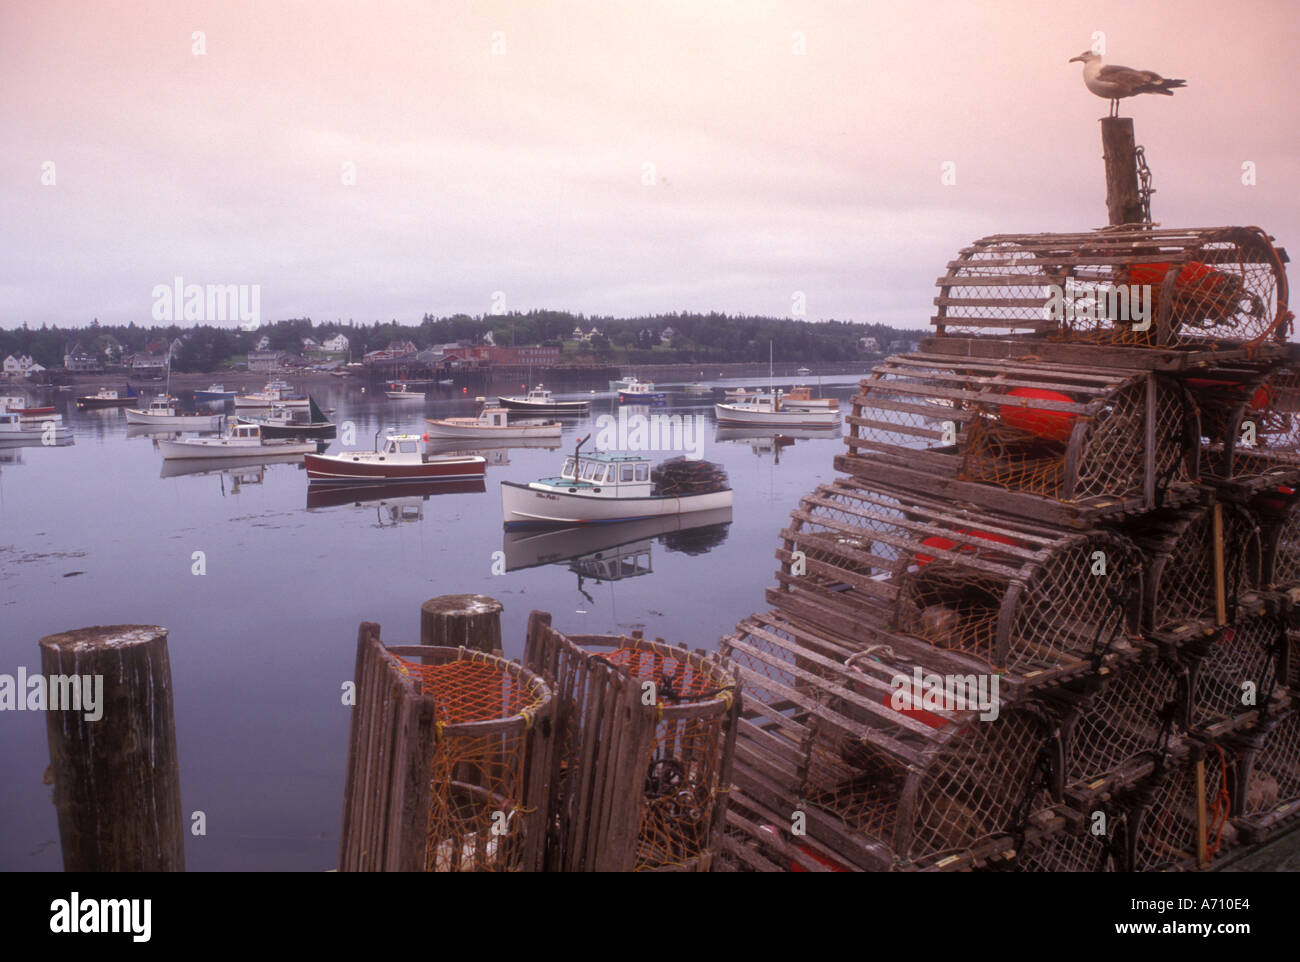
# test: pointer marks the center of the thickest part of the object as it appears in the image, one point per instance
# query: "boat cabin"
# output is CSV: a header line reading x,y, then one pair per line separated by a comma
x,y
608,475
245,432
494,417
11,422
161,406
404,447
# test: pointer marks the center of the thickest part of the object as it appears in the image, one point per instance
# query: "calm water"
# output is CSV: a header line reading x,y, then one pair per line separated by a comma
x,y
95,533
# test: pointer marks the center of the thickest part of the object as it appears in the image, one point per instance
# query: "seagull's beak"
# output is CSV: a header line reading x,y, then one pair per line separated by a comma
x,y
1073,59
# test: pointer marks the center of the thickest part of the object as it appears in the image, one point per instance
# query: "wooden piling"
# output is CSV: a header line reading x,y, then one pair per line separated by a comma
x,y
117,778
453,621
1119,151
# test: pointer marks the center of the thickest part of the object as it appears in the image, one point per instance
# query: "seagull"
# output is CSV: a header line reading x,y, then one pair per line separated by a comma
x,y
1114,82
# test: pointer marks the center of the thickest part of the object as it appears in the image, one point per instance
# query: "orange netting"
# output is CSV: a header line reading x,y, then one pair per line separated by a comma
x,y
476,820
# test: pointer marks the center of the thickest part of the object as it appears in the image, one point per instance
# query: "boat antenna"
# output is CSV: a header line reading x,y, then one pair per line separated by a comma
x,y
577,458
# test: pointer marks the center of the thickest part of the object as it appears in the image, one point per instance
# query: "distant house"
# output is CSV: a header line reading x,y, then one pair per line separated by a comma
x,y
263,343
338,344
310,344
667,334
148,365
78,360
400,348
489,340
869,344
577,334
20,366
265,360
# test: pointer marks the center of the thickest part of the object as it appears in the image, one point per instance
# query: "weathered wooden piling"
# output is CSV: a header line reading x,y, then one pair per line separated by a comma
x,y
116,776
453,621
1119,151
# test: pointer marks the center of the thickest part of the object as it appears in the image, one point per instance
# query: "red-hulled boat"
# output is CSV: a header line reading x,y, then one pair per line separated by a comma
x,y
400,458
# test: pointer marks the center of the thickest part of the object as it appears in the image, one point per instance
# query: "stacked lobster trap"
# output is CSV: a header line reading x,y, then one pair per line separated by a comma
x,y
1081,492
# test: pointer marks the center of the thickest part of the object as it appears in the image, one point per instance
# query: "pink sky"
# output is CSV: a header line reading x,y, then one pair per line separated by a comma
x,y
522,172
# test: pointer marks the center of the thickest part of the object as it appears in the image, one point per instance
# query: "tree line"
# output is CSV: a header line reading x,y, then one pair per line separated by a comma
x,y
695,337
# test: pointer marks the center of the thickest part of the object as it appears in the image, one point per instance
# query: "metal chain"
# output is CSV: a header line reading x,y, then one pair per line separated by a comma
x,y
1145,190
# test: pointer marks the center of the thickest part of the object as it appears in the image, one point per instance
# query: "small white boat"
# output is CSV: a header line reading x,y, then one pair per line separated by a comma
x,y
398,392
602,488
214,392
740,393
803,372
161,414
13,431
240,440
400,458
768,409
622,383
275,392
492,422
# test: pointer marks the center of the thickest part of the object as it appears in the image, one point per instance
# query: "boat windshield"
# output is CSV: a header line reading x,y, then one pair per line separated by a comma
x,y
406,447
591,470
567,470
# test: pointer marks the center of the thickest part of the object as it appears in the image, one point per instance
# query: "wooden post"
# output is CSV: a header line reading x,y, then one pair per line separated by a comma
x,y
116,778
1119,151
450,621
1220,588
1202,839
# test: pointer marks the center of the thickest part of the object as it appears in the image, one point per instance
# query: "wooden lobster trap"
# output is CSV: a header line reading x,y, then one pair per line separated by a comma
x,y
886,767
1234,670
1122,286
1250,421
1114,725
1181,818
1182,585
447,759
1091,840
645,733
1278,512
1268,783
1065,444
1034,602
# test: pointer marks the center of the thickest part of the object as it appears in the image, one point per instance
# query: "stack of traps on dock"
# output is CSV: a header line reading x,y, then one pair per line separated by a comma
x,y
1098,516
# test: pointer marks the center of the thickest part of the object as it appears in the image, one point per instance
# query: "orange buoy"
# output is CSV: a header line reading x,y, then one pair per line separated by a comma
x,y
945,544
1049,425
919,714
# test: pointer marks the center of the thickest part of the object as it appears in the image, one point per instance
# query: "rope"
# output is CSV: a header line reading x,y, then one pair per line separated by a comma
x,y
1221,808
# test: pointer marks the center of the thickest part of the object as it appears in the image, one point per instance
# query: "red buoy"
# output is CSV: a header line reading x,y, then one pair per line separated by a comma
x,y
1049,425
945,544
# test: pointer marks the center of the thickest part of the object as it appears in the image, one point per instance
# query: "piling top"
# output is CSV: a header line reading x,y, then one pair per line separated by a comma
x,y
461,605
103,637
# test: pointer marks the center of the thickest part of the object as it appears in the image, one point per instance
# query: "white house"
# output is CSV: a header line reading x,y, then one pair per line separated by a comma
x,y
667,334
577,334
310,344
337,344
869,344
263,343
489,340
22,366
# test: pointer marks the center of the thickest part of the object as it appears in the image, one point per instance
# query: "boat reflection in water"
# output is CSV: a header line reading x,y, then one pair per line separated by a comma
x,y
395,503
766,440
617,551
226,466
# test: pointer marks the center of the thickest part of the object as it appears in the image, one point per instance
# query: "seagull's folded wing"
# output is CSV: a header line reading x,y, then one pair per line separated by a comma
x,y
1128,77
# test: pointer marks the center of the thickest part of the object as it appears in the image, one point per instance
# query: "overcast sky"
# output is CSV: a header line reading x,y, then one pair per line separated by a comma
x,y
522,169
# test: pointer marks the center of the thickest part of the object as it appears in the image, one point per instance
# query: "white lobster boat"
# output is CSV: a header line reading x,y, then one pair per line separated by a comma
x,y
161,414
603,488
768,409
491,423
240,440
15,431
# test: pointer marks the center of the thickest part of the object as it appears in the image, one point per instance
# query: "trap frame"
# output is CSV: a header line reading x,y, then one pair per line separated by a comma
x,y
1226,660
447,757
1208,286
1164,821
882,787
1037,603
1065,444
1268,783
635,786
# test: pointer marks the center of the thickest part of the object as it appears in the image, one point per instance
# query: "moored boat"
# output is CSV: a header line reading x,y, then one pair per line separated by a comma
x,y
399,392
401,457
540,401
640,392
238,441
492,422
283,422
104,398
214,392
800,398
13,431
275,392
622,383
23,407
161,413
602,488
769,409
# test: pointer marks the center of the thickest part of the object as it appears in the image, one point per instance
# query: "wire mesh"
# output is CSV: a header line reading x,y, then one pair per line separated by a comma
x,y
1239,671
1180,548
1275,773
1125,719
1168,827
476,811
